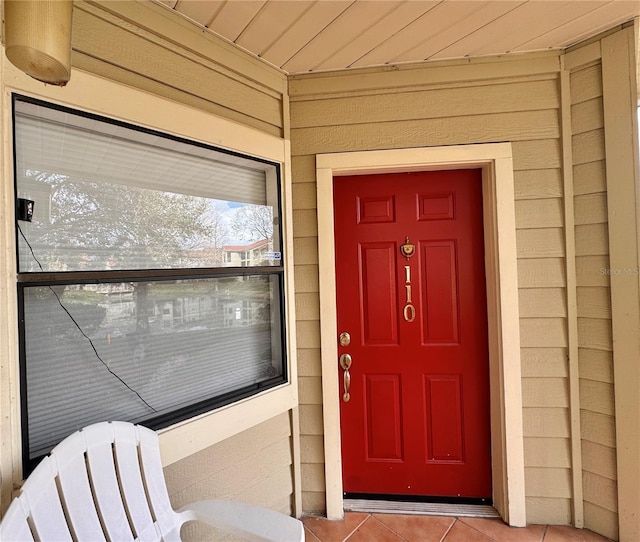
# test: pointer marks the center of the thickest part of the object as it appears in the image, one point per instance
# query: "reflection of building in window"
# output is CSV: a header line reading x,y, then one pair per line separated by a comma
x,y
247,255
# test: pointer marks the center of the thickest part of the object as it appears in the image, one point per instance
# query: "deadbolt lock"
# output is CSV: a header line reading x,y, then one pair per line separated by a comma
x,y
345,339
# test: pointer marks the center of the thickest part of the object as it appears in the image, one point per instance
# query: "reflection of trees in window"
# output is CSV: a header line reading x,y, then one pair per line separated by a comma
x,y
99,225
253,223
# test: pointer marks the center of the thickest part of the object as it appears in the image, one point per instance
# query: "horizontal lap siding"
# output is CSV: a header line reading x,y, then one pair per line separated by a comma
x,y
205,72
335,116
594,303
227,470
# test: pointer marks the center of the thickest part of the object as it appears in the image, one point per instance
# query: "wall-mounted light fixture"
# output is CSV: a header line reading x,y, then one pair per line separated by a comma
x,y
38,38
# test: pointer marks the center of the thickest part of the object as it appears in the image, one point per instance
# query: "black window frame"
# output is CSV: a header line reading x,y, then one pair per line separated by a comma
x,y
47,278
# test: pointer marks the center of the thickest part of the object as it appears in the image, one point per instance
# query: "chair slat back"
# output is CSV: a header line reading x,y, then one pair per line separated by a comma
x,y
73,480
104,481
163,513
40,493
15,525
131,481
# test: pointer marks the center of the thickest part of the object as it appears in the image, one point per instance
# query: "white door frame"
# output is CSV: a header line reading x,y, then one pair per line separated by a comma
x,y
495,161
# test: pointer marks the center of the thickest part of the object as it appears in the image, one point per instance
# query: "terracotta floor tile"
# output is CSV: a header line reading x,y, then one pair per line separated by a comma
x,y
374,531
463,533
417,528
334,531
500,532
561,533
309,536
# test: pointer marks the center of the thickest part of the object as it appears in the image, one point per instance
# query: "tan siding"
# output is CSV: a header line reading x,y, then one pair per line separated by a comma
x,y
591,208
601,520
305,223
598,428
595,333
599,459
544,392
587,116
254,466
542,302
547,452
541,273
592,270
307,279
542,154
540,243
457,102
597,396
596,365
586,84
539,213
594,302
592,240
341,113
545,422
589,178
543,510
218,79
600,489
304,195
540,125
544,362
543,332
553,483
588,146
309,363
538,184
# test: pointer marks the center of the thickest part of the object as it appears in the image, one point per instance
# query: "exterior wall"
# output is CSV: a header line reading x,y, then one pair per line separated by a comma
x,y
249,450
228,471
109,39
595,343
572,124
516,101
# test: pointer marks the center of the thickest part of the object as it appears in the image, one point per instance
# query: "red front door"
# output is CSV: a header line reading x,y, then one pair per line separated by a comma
x,y
415,419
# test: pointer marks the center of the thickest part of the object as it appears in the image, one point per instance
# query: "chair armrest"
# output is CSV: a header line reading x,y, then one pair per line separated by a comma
x,y
253,523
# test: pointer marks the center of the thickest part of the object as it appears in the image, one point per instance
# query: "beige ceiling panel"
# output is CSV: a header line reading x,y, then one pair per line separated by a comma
x,y
517,26
605,16
273,21
392,23
307,27
352,22
452,21
232,19
200,12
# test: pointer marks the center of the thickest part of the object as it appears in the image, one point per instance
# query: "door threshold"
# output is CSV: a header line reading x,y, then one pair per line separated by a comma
x,y
420,508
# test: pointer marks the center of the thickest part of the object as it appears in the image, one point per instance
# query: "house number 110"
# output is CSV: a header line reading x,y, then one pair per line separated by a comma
x,y
409,311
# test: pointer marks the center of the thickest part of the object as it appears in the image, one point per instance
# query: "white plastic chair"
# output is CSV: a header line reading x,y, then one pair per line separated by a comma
x,y
105,482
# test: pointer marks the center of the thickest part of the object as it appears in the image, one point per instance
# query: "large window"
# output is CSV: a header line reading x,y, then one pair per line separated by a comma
x,y
150,278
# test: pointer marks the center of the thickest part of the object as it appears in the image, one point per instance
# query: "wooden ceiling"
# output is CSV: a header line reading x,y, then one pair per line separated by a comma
x,y
300,36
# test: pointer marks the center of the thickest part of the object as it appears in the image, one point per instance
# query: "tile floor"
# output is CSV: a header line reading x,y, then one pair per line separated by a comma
x,y
363,527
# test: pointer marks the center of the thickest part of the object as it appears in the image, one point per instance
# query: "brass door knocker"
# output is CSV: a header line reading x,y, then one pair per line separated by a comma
x,y
407,249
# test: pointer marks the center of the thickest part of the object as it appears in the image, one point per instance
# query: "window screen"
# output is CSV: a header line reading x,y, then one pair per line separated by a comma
x,y
150,274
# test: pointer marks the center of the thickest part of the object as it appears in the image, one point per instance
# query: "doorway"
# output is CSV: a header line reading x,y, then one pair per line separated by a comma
x,y
495,164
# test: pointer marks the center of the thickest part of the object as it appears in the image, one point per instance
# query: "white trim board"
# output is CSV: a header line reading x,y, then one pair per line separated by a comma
x,y
495,161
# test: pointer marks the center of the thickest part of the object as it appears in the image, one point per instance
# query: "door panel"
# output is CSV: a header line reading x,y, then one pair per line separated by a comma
x,y
440,287
379,313
383,418
417,418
